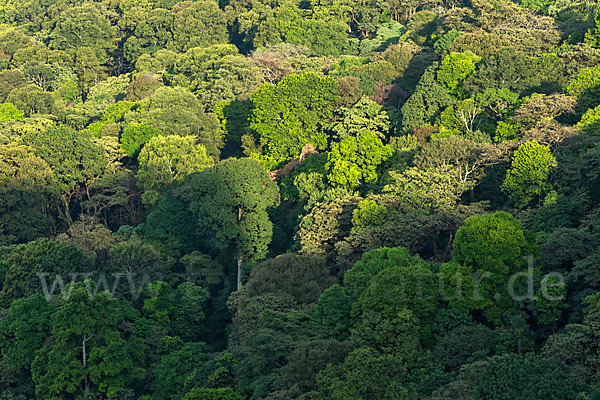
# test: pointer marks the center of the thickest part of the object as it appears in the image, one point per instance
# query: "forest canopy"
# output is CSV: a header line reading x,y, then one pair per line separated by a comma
x,y
299,199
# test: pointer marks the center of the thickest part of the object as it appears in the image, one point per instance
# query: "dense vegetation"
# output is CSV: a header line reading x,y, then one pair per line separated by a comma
x,y
299,199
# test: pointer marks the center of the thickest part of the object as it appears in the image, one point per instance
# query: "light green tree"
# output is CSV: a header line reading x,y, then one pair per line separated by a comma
x,y
527,179
168,159
455,68
9,112
487,250
291,114
354,161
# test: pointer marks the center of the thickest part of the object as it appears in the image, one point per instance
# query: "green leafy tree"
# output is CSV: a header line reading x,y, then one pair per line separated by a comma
x,y
230,201
83,26
586,87
332,312
353,161
197,24
526,377
24,330
303,277
176,111
395,307
165,160
363,374
216,73
487,251
51,258
174,368
592,37
590,122
291,114
135,136
150,34
368,213
527,179
428,100
32,100
73,157
365,115
9,112
180,311
91,353
213,394
455,68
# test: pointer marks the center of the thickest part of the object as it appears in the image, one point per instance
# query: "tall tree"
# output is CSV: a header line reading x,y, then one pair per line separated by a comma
x,y
230,201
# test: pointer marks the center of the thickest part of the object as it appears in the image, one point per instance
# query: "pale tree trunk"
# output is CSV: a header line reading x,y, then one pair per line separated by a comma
x,y
86,381
239,260
239,272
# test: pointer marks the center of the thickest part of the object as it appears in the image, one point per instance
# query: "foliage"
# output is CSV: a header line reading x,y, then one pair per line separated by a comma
x,y
354,160
528,176
165,160
487,250
289,115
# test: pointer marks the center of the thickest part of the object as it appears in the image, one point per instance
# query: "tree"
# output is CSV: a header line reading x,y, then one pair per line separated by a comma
x,y
322,32
592,36
309,358
528,176
137,259
430,188
576,345
429,98
368,213
165,160
365,373
526,377
230,202
150,34
197,24
332,312
213,394
396,299
179,311
9,112
353,161
586,87
465,344
455,68
43,256
75,160
291,114
364,116
303,277
135,136
326,224
32,100
26,194
174,368
24,330
176,111
590,122
487,251
215,74
95,352
83,26
89,70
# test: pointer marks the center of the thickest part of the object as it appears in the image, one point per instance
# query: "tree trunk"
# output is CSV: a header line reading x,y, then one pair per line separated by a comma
x,y
64,211
239,260
86,381
239,272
